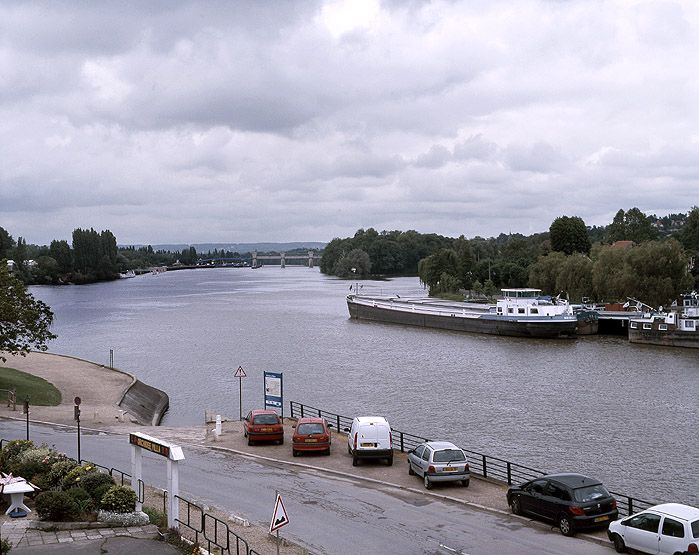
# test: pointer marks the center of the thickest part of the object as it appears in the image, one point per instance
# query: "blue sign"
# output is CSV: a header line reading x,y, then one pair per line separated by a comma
x,y
274,391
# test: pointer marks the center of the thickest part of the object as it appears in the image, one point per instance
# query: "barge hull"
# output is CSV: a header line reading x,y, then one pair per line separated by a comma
x,y
476,323
667,339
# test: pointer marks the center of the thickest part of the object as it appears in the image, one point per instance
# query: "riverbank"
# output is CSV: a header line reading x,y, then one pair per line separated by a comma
x,y
109,397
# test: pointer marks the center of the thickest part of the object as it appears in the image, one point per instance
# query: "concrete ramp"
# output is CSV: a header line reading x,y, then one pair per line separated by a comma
x,y
145,403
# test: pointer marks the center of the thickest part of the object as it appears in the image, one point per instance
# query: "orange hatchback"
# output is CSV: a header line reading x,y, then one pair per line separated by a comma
x,y
311,434
263,425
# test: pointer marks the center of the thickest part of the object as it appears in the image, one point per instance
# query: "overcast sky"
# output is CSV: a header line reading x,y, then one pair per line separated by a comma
x,y
288,121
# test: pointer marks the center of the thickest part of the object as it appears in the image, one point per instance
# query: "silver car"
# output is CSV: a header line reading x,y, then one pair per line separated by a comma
x,y
439,461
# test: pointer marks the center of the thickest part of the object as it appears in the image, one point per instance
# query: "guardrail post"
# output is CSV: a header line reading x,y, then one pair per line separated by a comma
x,y
509,473
319,415
630,500
338,422
302,411
485,468
401,442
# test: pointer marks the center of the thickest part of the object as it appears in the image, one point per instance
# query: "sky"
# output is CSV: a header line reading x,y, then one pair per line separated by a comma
x,y
191,122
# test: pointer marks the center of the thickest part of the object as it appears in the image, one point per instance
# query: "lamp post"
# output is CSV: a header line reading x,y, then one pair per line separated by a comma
x,y
76,415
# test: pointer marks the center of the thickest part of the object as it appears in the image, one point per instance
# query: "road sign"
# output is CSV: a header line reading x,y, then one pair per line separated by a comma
x,y
279,518
240,373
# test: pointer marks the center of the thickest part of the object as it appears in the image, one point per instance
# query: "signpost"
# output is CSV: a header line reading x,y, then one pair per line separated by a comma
x,y
274,391
279,517
76,416
26,411
240,374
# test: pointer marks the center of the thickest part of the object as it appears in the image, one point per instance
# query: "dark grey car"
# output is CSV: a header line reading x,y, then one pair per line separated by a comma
x,y
439,461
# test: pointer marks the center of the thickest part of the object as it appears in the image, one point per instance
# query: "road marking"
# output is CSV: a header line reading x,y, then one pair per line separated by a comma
x,y
452,549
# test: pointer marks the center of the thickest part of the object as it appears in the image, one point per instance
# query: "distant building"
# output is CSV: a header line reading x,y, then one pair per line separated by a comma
x,y
622,244
11,265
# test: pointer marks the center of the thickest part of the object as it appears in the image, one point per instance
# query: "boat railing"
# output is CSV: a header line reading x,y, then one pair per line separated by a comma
x,y
487,466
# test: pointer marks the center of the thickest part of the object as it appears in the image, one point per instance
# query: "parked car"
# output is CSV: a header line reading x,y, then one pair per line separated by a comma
x,y
370,438
311,434
439,461
667,529
573,501
263,425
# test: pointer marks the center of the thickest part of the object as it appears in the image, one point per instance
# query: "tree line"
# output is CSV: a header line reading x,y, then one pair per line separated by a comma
x,y
647,257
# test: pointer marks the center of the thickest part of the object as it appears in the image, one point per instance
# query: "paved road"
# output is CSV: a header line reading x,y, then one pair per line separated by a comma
x,y
328,514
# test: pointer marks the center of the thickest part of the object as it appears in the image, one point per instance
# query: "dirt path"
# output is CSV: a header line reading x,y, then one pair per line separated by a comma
x,y
99,388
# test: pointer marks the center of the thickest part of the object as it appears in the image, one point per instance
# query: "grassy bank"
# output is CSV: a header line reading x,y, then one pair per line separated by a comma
x,y
41,392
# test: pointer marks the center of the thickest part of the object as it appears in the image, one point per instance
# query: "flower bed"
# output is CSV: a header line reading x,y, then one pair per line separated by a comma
x,y
69,491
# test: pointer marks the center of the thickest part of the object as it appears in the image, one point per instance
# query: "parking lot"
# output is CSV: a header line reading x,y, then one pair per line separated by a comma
x,y
484,494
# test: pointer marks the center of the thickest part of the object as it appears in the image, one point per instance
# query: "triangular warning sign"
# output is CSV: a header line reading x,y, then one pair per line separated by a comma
x,y
279,518
240,373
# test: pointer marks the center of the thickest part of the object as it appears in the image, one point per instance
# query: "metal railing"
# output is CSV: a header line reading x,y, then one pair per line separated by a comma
x,y
487,466
211,532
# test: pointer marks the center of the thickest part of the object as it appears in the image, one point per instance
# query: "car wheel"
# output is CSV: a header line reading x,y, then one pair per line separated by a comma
x,y
565,525
465,483
355,462
410,470
619,545
281,441
294,452
428,482
327,453
250,442
516,506
389,461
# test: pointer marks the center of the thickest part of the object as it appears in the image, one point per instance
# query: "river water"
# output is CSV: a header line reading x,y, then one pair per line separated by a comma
x,y
624,413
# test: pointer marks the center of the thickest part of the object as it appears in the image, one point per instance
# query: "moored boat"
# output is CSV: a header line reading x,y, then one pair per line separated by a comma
x,y
519,313
678,327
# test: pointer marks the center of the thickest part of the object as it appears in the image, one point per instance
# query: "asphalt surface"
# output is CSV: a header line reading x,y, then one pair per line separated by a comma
x,y
108,546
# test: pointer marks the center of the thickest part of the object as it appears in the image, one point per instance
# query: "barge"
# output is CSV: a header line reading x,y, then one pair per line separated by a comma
x,y
678,327
519,313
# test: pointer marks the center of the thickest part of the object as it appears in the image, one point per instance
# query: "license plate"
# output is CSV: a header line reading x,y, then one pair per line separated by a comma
x,y
601,518
367,444
311,441
265,429
449,469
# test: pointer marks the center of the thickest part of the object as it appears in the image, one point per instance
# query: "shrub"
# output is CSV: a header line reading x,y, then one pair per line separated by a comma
x,y
59,471
56,505
82,499
5,546
75,476
93,483
156,517
119,499
34,462
11,452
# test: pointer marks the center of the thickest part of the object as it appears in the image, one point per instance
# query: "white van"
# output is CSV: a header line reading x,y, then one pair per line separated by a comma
x,y
370,438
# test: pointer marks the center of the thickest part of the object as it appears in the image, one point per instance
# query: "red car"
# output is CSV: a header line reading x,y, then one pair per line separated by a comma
x,y
263,425
311,434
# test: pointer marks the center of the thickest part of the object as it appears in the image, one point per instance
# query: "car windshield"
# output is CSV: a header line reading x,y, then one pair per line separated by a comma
x,y
590,493
695,529
308,429
265,419
448,455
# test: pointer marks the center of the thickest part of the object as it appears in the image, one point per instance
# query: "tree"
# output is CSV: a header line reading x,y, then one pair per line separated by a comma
x,y
575,277
430,269
569,235
633,225
61,253
543,274
7,244
24,320
689,237
354,263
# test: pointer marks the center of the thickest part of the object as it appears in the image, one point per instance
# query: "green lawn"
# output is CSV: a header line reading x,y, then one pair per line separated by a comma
x,y
40,391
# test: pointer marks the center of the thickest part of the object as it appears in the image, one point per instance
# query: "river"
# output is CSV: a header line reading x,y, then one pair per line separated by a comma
x,y
624,413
